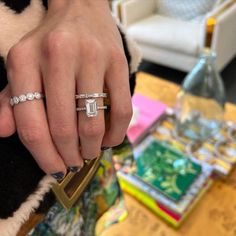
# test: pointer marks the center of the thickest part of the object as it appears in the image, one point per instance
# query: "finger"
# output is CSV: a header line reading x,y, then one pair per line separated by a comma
x,y
91,129
7,123
30,116
117,82
59,85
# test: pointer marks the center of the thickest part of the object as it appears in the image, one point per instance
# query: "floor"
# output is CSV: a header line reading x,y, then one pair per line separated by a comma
x,y
228,75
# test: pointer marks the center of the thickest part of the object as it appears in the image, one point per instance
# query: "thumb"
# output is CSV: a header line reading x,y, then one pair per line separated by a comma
x,y
7,123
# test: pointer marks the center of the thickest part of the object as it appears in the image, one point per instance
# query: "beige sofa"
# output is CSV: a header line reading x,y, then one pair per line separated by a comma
x,y
177,43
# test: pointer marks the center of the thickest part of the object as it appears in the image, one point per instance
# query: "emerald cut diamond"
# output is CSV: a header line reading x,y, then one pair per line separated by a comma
x,y
91,107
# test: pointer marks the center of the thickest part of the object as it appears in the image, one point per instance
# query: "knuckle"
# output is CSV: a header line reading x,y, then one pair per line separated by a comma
x,y
91,130
57,42
118,57
62,132
92,50
18,55
30,136
124,113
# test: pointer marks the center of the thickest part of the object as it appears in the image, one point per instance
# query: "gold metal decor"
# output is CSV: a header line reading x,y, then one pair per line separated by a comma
x,y
72,186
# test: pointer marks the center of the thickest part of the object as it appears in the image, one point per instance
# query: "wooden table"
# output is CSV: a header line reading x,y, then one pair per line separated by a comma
x,y
214,215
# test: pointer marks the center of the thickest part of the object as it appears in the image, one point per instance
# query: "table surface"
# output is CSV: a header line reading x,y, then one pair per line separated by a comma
x,y
214,215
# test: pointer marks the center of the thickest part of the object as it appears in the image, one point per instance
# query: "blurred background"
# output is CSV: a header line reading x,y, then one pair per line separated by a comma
x,y
171,34
177,165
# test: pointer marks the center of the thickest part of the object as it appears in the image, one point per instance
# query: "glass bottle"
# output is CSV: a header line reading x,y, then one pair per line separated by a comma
x,y
200,102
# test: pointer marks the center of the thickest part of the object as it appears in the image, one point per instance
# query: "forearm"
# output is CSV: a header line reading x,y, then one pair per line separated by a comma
x,y
62,3
74,7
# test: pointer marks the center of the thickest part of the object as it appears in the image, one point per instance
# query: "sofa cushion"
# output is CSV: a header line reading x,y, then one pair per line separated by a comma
x,y
172,34
185,9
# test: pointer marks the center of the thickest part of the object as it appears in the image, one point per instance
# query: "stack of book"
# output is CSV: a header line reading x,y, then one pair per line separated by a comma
x,y
164,180
155,173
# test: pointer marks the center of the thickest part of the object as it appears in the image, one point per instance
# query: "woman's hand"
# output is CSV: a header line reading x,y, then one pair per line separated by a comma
x,y
7,123
76,49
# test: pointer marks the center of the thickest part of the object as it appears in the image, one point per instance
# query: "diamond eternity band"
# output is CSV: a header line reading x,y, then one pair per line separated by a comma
x,y
26,97
90,95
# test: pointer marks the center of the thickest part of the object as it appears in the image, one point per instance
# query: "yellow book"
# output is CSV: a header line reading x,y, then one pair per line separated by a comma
x,y
159,209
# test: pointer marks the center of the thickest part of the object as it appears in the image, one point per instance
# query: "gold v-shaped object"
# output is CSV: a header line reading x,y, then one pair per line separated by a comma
x,y
72,186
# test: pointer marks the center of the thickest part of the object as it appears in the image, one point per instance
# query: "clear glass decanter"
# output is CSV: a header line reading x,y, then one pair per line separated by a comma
x,y
200,102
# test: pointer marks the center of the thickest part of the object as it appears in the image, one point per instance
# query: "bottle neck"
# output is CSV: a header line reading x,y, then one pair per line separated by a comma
x,y
207,56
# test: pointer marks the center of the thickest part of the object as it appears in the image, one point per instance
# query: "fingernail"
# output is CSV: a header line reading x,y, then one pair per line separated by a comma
x,y
104,148
58,175
74,169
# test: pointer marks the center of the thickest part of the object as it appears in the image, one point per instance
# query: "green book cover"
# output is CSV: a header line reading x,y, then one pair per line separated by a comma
x,y
165,169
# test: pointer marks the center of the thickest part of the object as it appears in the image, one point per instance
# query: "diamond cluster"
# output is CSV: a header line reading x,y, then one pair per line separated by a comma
x,y
25,97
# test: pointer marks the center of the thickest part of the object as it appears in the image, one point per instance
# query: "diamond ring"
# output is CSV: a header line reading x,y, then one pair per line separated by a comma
x,y
91,108
25,97
90,95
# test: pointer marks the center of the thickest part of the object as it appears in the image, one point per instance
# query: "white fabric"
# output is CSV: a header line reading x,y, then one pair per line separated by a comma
x,y
162,43
133,48
135,10
11,225
172,34
184,9
14,26
168,58
220,5
224,38
219,2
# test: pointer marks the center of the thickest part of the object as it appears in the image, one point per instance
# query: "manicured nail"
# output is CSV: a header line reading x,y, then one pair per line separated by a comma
x,y
58,176
74,169
104,148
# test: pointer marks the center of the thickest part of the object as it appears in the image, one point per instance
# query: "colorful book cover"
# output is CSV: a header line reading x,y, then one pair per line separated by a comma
x,y
179,207
172,211
146,112
165,169
158,208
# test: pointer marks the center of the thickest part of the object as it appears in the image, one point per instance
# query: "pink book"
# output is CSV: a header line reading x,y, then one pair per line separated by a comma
x,y
146,112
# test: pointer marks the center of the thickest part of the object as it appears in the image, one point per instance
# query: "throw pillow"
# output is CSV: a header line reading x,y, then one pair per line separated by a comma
x,y
185,9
